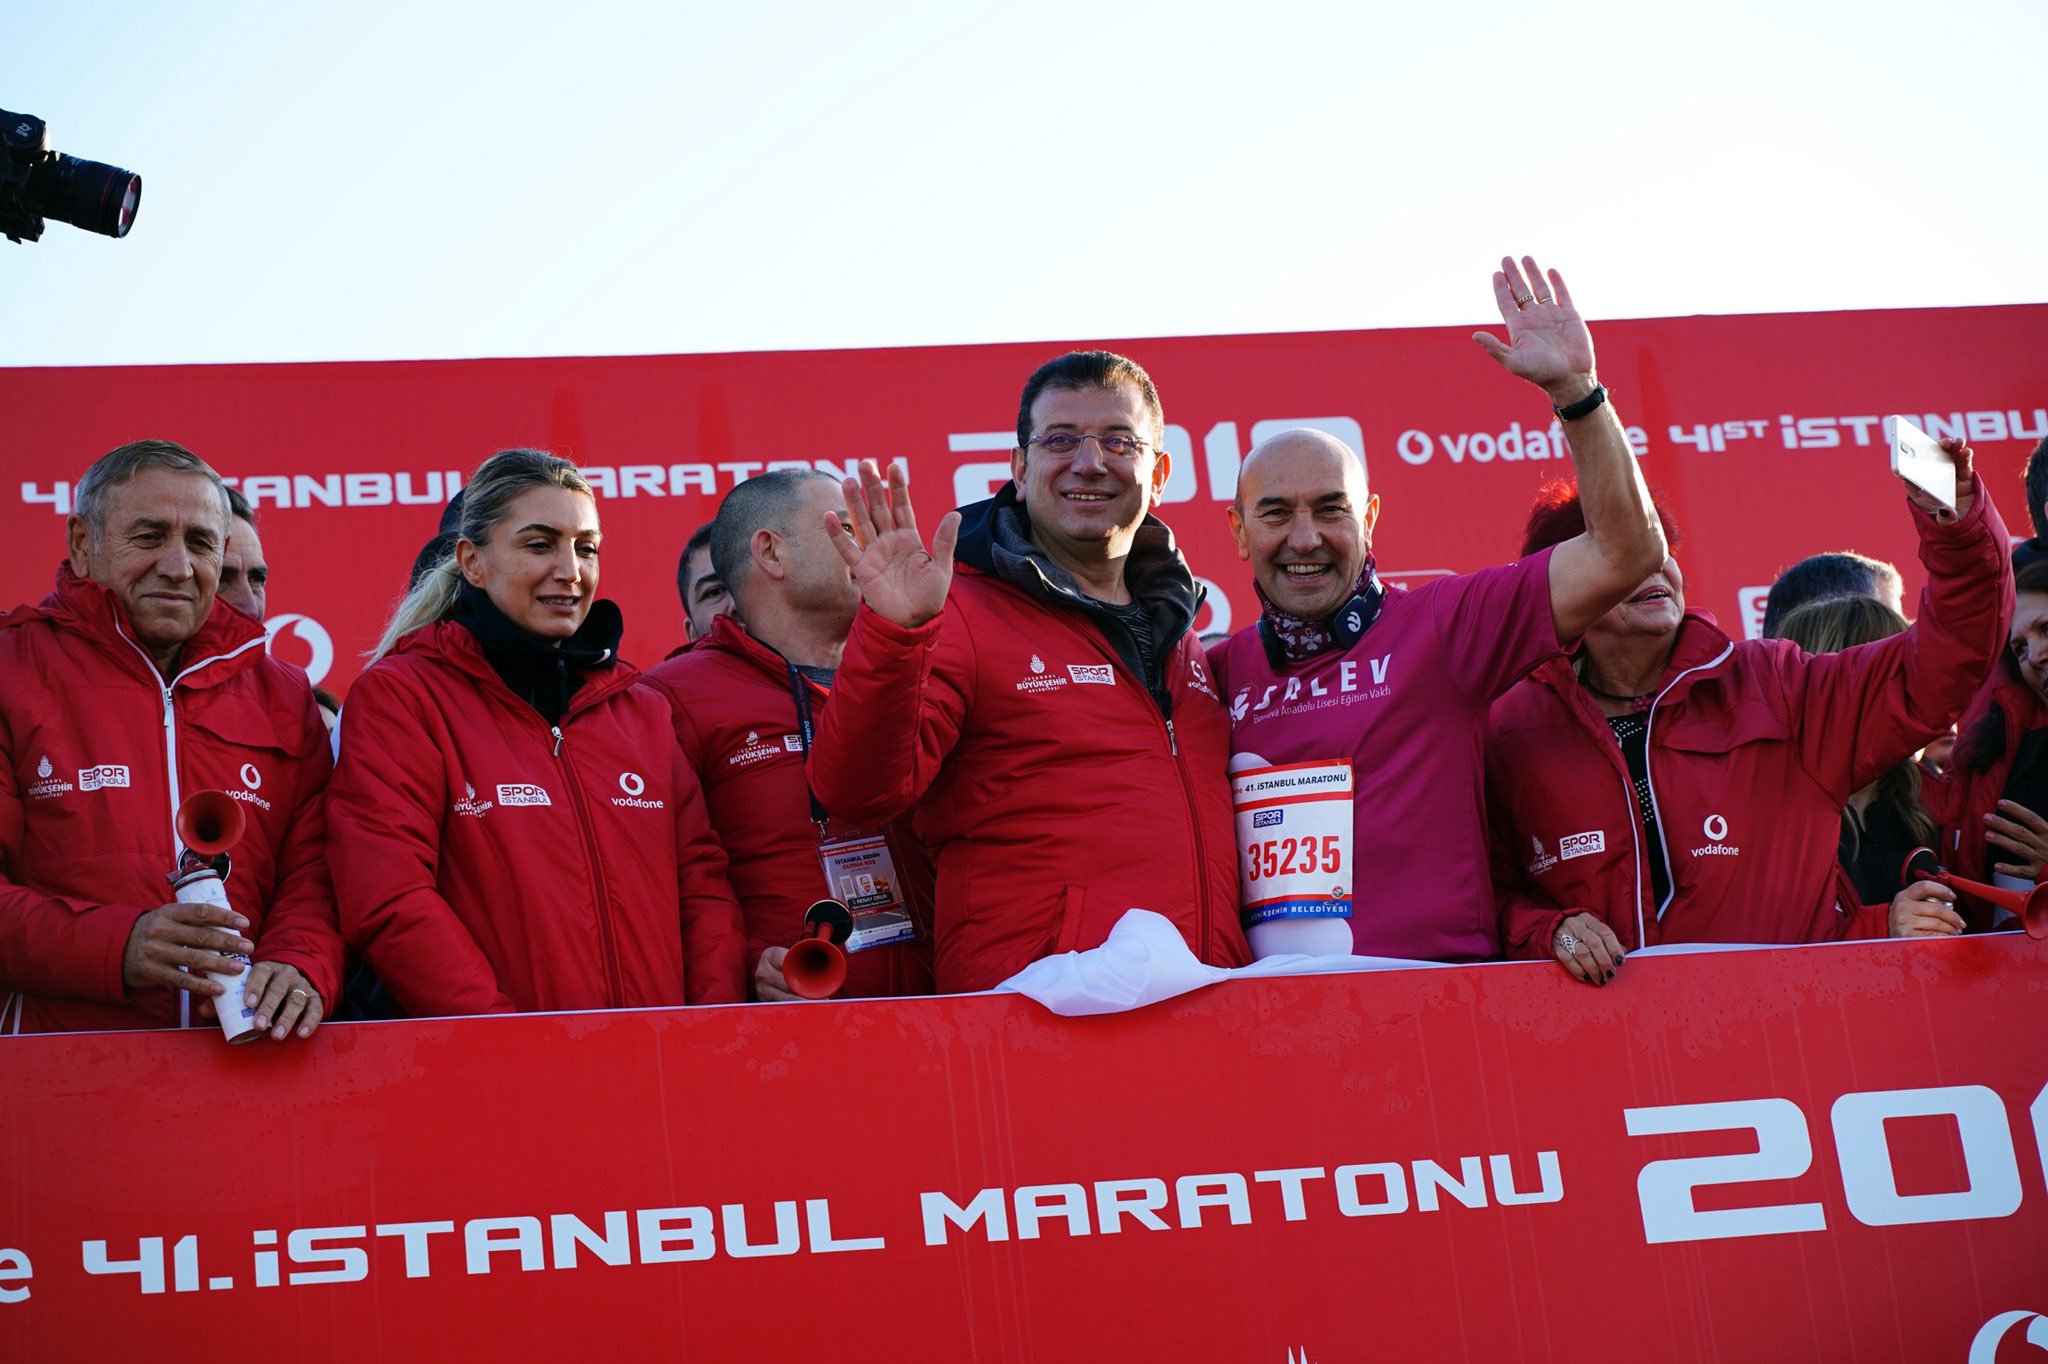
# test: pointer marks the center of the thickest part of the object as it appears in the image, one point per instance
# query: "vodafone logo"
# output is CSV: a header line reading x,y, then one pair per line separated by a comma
x,y
632,783
251,778
1716,828
1993,1333
313,651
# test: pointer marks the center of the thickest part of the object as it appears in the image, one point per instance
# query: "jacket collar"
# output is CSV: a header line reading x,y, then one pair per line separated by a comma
x,y
220,648
450,642
1701,647
995,538
728,636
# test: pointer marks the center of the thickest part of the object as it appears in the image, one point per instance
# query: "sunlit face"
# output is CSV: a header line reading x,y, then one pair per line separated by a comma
x,y
1655,608
1086,505
244,573
705,598
2029,639
540,565
1303,519
159,551
818,579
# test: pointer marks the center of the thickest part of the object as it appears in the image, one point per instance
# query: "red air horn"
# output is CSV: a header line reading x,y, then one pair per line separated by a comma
x,y
816,965
210,822
2030,905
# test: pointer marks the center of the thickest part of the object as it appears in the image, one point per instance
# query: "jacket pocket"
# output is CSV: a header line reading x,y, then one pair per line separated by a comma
x,y
1722,731
1071,917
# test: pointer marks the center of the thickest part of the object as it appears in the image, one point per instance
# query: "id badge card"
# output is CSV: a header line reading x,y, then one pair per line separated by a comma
x,y
1294,841
862,875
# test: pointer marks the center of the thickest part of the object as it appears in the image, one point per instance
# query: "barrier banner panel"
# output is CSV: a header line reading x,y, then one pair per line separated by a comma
x,y
1761,433
1819,1153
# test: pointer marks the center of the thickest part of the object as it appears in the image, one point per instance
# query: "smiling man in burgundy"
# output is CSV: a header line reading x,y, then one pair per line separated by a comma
x,y
1357,710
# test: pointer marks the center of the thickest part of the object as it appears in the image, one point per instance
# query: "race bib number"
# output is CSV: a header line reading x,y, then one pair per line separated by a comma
x,y
1294,841
862,875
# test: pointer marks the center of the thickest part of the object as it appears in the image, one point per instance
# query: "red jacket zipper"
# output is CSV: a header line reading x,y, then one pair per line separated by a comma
x,y
614,987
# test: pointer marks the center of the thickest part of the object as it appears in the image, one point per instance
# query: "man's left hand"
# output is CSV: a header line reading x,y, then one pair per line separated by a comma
x,y
283,1000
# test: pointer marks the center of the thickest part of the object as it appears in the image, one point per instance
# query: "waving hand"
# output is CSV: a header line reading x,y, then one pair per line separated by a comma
x,y
1548,343
898,578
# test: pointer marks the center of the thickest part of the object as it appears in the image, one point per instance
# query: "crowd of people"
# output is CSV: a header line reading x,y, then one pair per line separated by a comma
x,y
986,744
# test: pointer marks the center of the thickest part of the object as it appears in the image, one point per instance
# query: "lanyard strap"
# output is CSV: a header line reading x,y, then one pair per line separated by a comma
x,y
800,691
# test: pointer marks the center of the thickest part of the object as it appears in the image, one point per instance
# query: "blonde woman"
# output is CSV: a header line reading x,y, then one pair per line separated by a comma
x,y
511,825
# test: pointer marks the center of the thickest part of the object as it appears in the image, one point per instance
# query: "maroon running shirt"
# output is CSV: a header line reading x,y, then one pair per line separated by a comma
x,y
1406,707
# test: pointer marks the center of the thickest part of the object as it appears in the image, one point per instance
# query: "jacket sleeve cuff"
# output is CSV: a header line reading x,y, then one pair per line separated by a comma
x,y
117,925
322,974
1869,921
874,623
1981,523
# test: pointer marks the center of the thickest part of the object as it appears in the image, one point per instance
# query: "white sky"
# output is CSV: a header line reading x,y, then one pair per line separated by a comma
x,y
386,180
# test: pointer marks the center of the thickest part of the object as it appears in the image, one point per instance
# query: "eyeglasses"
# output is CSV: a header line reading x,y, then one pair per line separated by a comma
x,y
1112,446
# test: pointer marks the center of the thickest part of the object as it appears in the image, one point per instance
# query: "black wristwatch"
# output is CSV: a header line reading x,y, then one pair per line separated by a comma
x,y
1584,407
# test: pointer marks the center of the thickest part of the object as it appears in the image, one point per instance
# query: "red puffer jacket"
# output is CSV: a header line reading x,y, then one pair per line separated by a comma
x,y
488,864
100,749
1754,748
736,720
1052,792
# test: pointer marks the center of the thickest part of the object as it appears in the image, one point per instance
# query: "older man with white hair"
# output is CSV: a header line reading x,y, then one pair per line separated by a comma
x,y
126,690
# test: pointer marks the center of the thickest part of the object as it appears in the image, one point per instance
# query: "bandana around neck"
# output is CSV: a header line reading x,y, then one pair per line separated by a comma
x,y
1302,637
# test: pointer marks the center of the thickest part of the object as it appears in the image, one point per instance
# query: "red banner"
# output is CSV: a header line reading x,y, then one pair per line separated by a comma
x,y
1760,432
1818,1153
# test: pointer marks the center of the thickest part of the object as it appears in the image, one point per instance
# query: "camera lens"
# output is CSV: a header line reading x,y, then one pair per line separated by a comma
x,y
88,194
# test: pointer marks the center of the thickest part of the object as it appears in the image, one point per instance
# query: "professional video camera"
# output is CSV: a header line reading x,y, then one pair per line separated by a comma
x,y
36,183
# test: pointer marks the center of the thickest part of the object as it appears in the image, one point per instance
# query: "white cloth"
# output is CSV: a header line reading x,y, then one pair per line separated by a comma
x,y
1145,960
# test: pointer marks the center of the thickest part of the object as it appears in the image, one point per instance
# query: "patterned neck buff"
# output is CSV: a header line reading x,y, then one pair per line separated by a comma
x,y
1300,637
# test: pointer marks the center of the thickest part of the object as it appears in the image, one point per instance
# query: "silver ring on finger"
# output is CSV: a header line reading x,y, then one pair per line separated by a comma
x,y
1567,943
1541,299
300,993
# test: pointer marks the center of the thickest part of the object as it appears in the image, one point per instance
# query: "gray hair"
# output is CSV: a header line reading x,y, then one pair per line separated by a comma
x,y
767,501
485,499
117,466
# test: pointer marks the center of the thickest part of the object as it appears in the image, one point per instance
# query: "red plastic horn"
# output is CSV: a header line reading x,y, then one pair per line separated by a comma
x,y
816,965
2030,905
210,822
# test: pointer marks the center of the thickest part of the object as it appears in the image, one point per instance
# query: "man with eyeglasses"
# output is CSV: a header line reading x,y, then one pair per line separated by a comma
x,y
1357,710
1046,715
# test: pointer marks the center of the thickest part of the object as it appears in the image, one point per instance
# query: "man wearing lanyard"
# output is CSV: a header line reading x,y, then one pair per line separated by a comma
x,y
1045,715
744,698
1356,711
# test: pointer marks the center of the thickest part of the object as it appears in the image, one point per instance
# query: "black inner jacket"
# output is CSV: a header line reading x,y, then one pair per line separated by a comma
x,y
540,672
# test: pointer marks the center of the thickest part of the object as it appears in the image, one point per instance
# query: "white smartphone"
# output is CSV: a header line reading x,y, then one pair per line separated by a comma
x,y
1920,461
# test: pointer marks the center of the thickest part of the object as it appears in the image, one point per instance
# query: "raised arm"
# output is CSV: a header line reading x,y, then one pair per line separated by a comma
x,y
1548,344
900,696
1864,710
